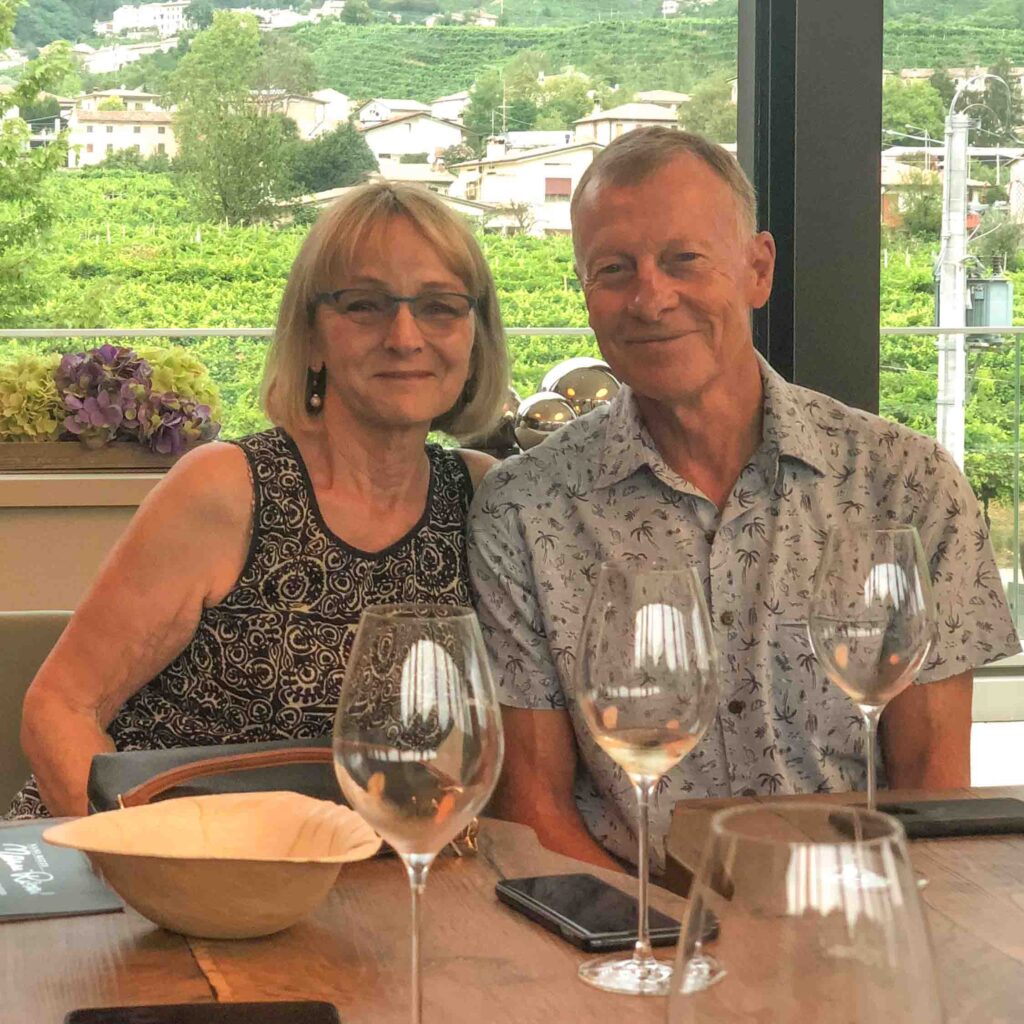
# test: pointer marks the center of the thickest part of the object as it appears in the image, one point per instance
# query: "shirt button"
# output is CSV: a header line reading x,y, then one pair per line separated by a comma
x,y
727,618
735,706
710,536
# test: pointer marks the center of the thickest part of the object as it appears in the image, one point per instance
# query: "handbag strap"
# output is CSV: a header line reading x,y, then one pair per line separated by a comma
x,y
163,781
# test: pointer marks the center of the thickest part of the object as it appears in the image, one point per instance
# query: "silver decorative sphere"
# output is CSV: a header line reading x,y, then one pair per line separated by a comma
x,y
540,415
584,382
503,433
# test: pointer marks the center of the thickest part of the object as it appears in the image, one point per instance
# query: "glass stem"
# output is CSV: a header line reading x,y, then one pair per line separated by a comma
x,y
642,951
871,713
417,865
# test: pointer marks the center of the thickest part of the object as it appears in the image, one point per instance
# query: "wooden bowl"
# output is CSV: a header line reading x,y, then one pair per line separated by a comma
x,y
229,866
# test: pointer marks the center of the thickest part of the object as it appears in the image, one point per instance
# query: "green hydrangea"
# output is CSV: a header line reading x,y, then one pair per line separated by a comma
x,y
178,370
30,407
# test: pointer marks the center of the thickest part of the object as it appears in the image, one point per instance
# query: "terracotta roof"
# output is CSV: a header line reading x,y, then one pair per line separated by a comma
x,y
126,116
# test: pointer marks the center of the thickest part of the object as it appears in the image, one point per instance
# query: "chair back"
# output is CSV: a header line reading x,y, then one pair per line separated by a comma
x,y
26,638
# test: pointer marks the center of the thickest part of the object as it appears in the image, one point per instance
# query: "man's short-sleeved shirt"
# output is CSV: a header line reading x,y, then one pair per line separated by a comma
x,y
541,523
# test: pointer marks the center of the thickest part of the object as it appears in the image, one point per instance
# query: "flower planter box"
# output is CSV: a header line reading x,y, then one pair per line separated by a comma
x,y
74,457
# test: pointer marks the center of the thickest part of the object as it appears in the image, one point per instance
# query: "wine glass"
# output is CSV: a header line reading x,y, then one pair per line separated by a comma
x,y
804,912
647,686
872,619
417,738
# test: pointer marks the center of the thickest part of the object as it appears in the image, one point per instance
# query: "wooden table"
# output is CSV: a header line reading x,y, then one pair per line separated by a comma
x,y
974,901
482,962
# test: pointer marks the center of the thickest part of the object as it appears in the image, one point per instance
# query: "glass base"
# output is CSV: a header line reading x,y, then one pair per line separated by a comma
x,y
627,976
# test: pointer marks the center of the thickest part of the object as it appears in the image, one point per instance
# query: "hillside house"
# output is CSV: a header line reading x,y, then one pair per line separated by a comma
x,y
450,108
132,99
94,134
605,126
537,182
666,98
313,115
413,134
429,176
378,110
163,20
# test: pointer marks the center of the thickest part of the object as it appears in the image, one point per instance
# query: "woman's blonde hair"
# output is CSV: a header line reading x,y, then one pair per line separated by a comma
x,y
327,253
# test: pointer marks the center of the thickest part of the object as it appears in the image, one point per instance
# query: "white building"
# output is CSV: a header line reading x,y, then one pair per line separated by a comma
x,y
450,108
669,8
166,19
412,134
12,59
518,142
338,105
133,100
666,98
375,111
604,126
437,179
537,182
113,58
94,134
313,115
329,9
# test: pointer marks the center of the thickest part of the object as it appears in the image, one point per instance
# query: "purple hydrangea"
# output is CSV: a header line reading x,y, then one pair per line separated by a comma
x,y
108,396
169,423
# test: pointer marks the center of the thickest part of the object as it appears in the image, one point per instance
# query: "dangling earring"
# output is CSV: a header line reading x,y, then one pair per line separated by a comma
x,y
316,386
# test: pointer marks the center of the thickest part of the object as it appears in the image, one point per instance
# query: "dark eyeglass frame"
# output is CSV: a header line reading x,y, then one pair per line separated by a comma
x,y
396,300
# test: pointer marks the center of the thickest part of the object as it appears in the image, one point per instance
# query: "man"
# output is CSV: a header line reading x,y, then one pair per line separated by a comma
x,y
707,457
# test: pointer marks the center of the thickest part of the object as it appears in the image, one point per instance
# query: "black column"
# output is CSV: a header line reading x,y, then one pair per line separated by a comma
x,y
810,108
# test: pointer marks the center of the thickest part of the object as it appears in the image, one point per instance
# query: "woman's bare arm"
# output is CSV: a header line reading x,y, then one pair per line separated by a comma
x,y
182,551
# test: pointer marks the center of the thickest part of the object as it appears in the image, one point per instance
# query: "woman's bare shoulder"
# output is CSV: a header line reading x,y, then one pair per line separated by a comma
x,y
478,463
210,480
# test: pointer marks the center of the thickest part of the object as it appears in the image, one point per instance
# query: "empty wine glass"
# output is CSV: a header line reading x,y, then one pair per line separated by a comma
x,y
804,912
417,738
647,684
872,619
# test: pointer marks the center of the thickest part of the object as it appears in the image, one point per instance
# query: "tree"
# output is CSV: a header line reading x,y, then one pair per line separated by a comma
x,y
284,65
914,107
25,210
921,209
200,14
235,157
710,111
998,109
456,154
339,158
357,12
565,100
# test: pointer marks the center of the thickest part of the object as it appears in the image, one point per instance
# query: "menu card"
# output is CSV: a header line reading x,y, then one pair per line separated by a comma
x,y
40,880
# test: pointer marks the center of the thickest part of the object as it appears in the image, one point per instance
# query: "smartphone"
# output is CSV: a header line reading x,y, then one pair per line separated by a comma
x,y
982,816
585,911
210,1013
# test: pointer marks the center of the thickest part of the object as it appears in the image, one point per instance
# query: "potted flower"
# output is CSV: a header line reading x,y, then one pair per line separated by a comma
x,y
125,409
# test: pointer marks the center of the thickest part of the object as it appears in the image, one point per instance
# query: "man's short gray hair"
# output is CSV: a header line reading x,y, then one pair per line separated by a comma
x,y
640,153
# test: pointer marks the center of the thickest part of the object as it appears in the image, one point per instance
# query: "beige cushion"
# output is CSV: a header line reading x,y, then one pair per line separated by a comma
x,y
25,640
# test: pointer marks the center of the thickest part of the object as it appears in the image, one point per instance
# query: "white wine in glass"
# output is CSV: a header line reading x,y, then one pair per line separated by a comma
x,y
647,684
418,744
872,619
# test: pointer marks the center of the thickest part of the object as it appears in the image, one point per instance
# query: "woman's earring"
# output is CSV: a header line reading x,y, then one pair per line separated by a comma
x,y
316,386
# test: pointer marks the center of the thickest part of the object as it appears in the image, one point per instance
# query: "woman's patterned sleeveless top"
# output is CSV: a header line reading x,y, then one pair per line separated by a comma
x,y
267,662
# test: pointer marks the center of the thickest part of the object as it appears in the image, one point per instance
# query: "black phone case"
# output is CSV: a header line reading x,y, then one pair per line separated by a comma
x,y
664,930
933,819
210,1013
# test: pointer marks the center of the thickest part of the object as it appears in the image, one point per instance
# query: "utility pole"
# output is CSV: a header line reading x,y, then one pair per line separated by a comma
x,y
952,274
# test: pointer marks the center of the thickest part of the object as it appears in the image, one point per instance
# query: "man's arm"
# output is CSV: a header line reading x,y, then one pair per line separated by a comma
x,y
536,786
926,735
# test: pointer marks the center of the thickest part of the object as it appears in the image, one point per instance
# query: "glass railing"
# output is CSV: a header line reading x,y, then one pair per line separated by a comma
x,y
908,393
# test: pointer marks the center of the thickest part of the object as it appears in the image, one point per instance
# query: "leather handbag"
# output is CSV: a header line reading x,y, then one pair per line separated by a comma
x,y
133,777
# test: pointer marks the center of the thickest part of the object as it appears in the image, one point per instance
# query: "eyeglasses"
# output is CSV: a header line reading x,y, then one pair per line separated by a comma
x,y
369,307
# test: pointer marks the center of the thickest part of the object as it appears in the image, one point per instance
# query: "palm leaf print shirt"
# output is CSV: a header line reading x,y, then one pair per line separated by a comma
x,y
541,523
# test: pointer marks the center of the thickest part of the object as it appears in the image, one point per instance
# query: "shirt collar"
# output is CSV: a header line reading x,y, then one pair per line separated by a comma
x,y
788,430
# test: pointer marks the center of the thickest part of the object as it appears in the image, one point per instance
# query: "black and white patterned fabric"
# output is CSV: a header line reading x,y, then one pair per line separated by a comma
x,y
599,489
267,662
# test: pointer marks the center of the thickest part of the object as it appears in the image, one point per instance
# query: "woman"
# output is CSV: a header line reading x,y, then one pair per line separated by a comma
x,y
226,611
